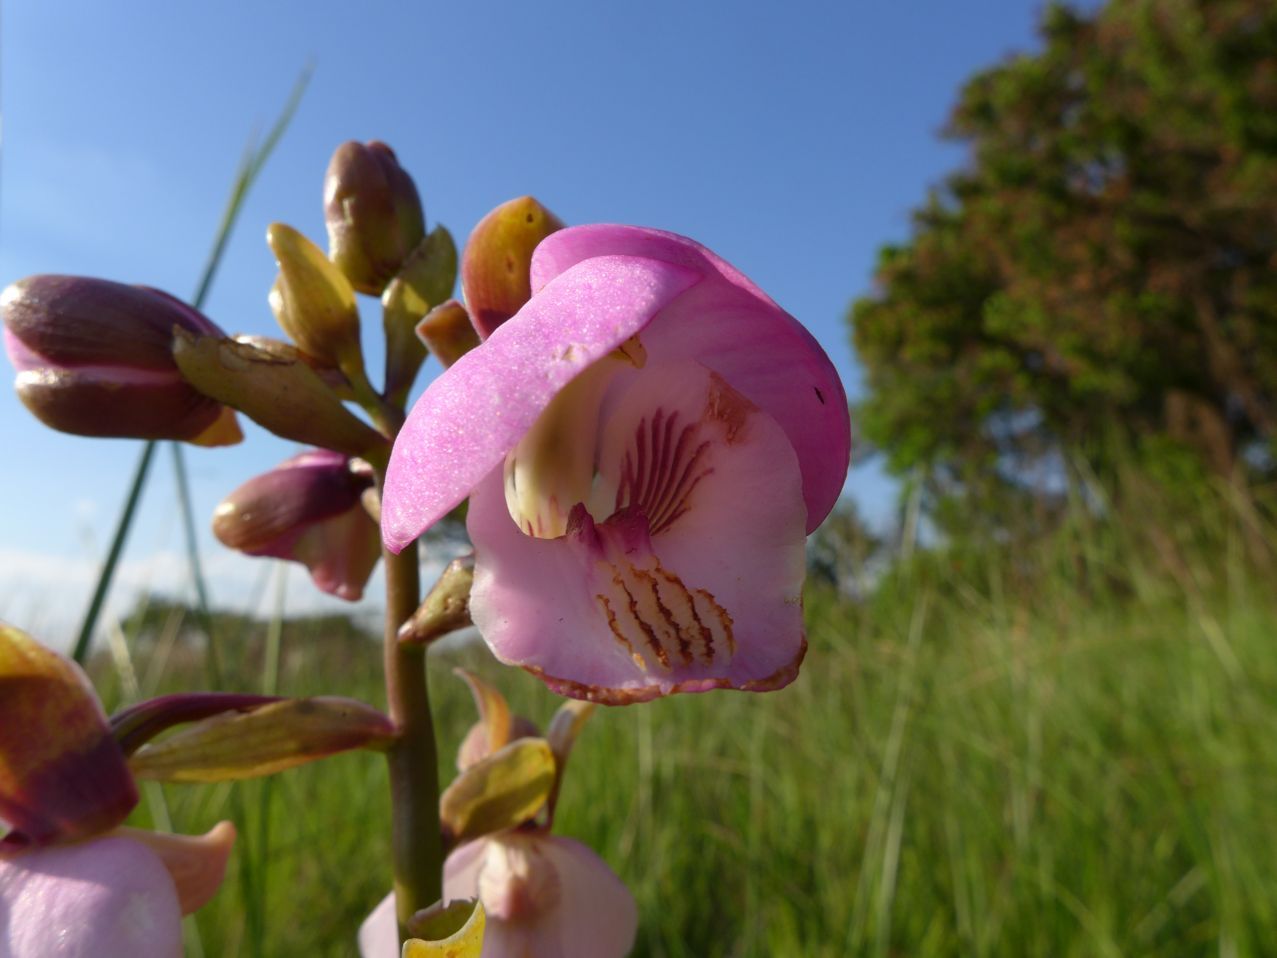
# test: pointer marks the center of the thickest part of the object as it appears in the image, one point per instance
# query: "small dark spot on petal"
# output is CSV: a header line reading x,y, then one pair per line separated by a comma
x,y
819,394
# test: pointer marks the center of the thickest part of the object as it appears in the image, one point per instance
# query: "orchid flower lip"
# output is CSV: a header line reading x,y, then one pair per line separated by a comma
x,y
634,696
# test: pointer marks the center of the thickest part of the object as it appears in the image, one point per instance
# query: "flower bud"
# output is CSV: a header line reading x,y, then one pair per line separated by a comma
x,y
312,300
277,388
447,332
62,775
373,213
494,267
307,509
425,281
331,376
94,359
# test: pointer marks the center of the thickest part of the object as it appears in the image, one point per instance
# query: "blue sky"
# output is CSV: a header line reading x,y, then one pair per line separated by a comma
x,y
793,139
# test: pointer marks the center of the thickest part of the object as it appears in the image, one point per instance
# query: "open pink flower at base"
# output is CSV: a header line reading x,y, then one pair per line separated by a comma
x,y
646,445
545,897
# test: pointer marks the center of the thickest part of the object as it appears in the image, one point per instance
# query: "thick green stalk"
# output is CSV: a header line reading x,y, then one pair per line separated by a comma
x,y
416,845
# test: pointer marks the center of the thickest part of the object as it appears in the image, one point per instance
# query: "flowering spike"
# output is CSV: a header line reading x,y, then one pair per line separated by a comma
x,y
308,509
447,332
373,213
62,775
494,266
93,359
313,302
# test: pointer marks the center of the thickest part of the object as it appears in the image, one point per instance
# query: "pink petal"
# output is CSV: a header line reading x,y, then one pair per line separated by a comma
x,y
688,587
379,934
469,418
106,898
195,863
731,326
545,897
340,553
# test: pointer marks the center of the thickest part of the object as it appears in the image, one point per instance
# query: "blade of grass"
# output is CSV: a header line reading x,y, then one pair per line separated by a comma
x,y
250,167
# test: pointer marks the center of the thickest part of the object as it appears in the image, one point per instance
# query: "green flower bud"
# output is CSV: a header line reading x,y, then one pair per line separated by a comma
x,y
313,302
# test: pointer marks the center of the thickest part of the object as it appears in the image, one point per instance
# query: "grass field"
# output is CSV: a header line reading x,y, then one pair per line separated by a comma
x,y
1064,750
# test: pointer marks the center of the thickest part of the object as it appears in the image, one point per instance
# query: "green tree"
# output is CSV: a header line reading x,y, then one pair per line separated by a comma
x,y
1105,265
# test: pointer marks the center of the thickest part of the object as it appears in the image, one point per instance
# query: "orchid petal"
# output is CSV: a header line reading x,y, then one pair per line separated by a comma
x,y
469,418
734,328
195,863
107,898
544,896
379,933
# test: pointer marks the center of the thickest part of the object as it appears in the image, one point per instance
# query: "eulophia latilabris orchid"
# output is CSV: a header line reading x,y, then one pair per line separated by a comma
x,y
646,445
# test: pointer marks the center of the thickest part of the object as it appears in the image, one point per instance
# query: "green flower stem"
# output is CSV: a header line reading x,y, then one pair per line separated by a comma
x,y
416,845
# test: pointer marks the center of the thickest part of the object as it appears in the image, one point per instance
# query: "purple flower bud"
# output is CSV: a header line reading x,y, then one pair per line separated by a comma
x,y
373,213
307,509
95,358
62,775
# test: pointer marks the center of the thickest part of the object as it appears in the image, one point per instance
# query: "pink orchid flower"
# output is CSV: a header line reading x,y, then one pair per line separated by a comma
x,y
545,896
646,445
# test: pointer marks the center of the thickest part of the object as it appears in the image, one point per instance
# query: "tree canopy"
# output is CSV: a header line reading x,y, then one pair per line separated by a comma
x,y
1105,263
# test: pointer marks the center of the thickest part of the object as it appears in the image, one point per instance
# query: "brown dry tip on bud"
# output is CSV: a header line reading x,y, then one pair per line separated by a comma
x,y
373,214
494,266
